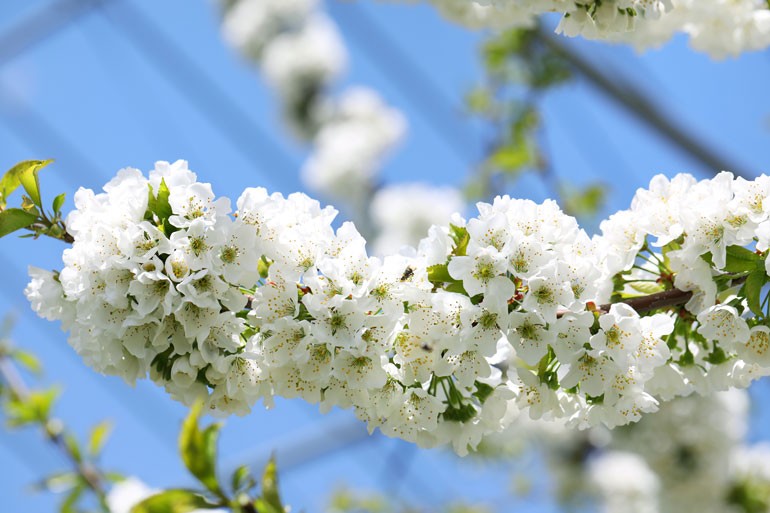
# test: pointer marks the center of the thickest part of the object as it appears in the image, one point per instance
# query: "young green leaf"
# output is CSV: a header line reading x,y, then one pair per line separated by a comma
x,y
511,158
263,506
439,273
645,287
270,496
173,501
753,289
73,446
114,477
35,408
72,498
199,449
14,219
457,287
23,173
584,202
28,360
461,239
58,202
151,203
28,205
242,479
58,482
98,437
163,207
483,391
740,259
263,267
717,356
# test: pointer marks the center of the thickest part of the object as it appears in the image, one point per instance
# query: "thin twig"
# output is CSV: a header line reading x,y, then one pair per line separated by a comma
x,y
19,391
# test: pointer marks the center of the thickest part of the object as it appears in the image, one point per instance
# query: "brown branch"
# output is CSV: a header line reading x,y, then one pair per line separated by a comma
x,y
657,301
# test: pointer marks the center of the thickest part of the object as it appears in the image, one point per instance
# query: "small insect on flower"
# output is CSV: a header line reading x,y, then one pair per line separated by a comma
x,y
408,273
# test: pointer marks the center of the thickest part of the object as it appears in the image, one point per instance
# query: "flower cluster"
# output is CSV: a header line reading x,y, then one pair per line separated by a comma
x,y
542,276
625,483
153,280
437,344
717,27
593,18
301,52
299,47
351,144
712,238
689,446
691,455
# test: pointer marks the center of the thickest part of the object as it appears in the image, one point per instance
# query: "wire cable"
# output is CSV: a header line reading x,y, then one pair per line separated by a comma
x,y
42,25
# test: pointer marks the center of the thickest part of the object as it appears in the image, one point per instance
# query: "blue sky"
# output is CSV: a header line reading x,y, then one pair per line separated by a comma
x,y
134,81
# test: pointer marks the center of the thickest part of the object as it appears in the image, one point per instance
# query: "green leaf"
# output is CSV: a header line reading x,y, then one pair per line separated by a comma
x,y
58,482
707,257
270,496
511,158
483,391
461,239
114,477
31,184
58,202
646,287
151,203
163,207
263,267
242,479
456,287
35,408
717,356
74,447
28,360
478,100
14,219
173,501
586,201
461,413
98,437
740,259
68,505
28,206
752,289
262,506
23,173
439,273
199,448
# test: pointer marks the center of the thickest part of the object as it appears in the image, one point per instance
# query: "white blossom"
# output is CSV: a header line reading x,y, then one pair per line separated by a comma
x,y
502,313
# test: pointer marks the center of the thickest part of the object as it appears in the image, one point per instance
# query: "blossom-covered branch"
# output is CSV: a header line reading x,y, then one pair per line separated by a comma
x,y
441,344
716,27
